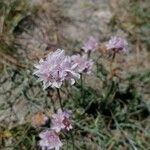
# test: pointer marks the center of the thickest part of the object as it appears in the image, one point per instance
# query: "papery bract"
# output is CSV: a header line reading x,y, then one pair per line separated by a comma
x,y
39,119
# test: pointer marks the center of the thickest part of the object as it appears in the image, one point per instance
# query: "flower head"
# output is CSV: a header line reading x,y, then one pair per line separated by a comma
x,y
49,140
91,45
55,69
61,120
84,65
117,44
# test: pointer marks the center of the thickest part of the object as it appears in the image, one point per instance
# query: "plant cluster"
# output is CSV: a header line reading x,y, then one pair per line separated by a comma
x,y
59,69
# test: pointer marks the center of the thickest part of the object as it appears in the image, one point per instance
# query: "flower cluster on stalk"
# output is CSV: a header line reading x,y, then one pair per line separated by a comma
x,y
49,140
90,45
53,71
84,65
117,44
50,137
61,121
57,68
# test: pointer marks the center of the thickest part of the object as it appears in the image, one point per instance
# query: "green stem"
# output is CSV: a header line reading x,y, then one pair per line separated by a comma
x,y
60,100
89,54
54,108
53,104
112,63
72,138
81,82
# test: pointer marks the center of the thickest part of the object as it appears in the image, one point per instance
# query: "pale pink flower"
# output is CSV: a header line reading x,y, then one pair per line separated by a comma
x,y
55,69
117,44
61,120
91,45
84,65
49,140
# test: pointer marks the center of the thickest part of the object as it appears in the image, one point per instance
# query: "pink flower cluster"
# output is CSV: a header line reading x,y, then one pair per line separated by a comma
x,y
91,45
55,69
50,138
58,67
61,121
117,44
84,65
